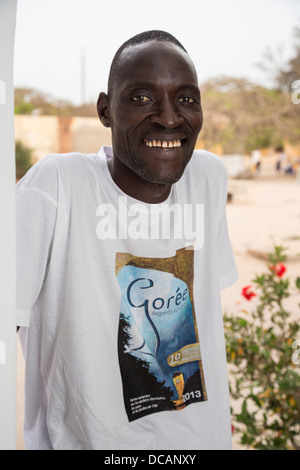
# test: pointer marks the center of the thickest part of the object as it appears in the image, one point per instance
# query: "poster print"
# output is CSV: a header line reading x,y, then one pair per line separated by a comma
x,y
158,345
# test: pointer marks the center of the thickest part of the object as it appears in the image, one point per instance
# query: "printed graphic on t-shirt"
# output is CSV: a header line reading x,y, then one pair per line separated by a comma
x,y
158,345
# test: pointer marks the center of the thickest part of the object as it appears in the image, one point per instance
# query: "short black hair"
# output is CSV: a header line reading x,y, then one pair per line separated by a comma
x,y
142,38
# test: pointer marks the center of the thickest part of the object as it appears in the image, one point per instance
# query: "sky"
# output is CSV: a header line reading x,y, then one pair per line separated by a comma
x,y
64,48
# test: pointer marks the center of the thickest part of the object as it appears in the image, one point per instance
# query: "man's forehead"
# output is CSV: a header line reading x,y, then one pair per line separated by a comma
x,y
138,57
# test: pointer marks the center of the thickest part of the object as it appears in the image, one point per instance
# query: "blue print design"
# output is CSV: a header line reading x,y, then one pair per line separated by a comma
x,y
156,326
146,310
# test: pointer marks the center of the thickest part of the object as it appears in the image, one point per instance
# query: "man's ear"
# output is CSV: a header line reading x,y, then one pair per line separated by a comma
x,y
103,109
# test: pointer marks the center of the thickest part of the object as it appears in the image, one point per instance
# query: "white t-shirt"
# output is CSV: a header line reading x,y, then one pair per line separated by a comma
x,y
119,304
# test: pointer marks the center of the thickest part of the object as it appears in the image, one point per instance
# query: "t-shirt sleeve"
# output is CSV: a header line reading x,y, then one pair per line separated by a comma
x,y
36,204
228,274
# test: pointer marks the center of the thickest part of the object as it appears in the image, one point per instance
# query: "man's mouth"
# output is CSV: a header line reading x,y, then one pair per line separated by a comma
x,y
164,144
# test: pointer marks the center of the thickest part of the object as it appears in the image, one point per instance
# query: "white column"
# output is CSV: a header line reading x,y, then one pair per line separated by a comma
x,y
7,230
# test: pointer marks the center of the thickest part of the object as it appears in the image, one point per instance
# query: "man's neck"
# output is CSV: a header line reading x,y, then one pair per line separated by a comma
x,y
135,187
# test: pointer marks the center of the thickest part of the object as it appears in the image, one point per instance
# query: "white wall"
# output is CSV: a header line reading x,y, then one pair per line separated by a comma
x,y
7,230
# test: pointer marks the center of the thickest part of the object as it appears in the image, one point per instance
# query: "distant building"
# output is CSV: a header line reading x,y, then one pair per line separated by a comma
x,y
53,134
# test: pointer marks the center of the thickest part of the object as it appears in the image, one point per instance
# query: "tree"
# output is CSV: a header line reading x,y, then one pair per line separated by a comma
x,y
243,116
138,381
30,100
23,159
283,74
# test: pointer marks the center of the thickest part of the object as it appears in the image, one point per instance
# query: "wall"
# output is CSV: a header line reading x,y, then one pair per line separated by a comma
x,y
40,133
8,381
88,135
52,134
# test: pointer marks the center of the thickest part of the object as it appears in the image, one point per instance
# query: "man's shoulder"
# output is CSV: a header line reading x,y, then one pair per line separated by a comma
x,y
62,160
61,163
52,168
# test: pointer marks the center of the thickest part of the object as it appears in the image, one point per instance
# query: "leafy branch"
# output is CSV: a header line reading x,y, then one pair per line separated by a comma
x,y
264,378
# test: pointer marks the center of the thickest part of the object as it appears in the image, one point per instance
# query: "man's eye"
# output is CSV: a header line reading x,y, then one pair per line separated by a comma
x,y
187,99
141,98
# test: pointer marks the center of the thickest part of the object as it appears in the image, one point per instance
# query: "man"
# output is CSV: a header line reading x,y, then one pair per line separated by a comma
x,y
121,258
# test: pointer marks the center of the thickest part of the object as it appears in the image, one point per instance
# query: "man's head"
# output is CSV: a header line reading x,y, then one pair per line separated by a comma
x,y
153,107
142,38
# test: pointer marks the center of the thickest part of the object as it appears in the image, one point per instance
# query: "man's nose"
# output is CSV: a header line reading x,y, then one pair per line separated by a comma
x,y
167,115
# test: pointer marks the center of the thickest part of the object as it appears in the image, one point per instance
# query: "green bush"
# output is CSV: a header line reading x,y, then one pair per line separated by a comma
x,y
264,362
23,159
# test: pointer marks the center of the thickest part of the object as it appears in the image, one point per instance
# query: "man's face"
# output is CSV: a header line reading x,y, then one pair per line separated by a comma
x,y
155,111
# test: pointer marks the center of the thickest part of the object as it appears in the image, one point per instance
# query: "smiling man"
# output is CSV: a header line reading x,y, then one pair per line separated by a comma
x,y
154,111
122,329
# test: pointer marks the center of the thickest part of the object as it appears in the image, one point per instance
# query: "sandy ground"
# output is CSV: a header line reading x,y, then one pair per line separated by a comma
x,y
264,211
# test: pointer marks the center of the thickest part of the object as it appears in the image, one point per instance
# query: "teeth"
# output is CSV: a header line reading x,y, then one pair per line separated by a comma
x,y
166,144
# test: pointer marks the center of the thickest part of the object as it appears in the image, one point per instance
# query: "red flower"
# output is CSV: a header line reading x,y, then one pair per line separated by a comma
x,y
247,293
279,269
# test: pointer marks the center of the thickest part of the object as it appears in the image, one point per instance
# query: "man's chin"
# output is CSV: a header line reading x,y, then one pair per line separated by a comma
x,y
161,177
162,174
